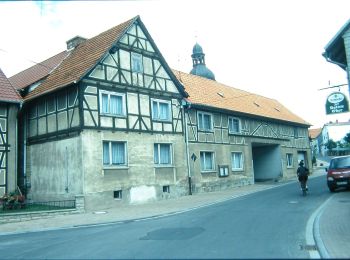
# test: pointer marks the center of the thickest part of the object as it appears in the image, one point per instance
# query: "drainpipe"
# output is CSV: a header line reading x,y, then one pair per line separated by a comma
x,y
186,104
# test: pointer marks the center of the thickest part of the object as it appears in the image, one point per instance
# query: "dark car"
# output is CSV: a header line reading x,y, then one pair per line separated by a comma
x,y
338,173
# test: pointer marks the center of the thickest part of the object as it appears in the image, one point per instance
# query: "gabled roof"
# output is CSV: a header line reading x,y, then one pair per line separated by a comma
x,y
80,60
7,91
37,72
314,133
212,94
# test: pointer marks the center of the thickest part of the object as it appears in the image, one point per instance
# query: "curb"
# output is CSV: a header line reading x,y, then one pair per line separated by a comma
x,y
312,233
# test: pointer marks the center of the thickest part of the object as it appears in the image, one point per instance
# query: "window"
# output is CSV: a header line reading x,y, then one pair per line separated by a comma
x,y
136,62
41,108
237,161
112,103
72,97
118,194
207,161
161,110
114,153
33,112
234,125
51,105
289,160
61,101
162,154
205,121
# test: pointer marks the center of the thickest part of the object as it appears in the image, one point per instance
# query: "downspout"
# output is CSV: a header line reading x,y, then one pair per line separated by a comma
x,y
186,104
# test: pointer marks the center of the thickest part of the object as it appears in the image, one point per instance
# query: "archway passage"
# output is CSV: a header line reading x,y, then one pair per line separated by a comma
x,y
266,162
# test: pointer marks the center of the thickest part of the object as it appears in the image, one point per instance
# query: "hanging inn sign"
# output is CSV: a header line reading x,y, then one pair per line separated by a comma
x,y
336,103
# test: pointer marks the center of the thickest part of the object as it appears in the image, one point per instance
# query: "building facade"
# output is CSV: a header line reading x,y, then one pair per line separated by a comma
x,y
114,124
10,103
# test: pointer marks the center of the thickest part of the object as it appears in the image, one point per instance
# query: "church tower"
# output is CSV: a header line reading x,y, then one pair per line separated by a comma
x,y
198,61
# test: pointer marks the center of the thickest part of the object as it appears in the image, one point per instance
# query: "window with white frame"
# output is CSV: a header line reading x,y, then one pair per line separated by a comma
x,y
161,110
112,103
162,154
234,125
205,122
207,161
114,153
136,62
237,161
289,160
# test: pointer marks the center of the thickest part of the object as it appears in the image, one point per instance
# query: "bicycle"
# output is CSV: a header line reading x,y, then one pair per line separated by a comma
x,y
303,186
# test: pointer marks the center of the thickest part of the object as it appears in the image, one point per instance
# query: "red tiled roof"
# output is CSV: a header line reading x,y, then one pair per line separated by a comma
x,y
7,91
37,72
211,93
314,133
81,60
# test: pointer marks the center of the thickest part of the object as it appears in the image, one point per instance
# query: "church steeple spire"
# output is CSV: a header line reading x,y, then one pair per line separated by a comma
x,y
198,61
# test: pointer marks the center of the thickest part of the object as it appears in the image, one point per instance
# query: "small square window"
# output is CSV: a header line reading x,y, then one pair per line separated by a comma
x,y
166,189
118,194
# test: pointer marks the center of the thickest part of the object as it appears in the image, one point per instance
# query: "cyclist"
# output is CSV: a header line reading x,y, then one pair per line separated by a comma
x,y
303,173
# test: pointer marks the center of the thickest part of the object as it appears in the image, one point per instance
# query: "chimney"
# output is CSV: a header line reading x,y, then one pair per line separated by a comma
x,y
74,42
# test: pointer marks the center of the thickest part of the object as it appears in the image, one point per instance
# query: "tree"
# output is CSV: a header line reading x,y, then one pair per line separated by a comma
x,y
346,138
331,144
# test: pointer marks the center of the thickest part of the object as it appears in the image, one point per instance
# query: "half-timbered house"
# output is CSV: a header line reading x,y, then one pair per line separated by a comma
x,y
105,120
10,103
235,137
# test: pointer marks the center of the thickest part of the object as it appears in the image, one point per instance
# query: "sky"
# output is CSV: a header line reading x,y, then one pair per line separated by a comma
x,y
268,47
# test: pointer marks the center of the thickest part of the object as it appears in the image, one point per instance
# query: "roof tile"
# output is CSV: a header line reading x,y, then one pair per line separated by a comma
x,y
81,60
7,91
37,72
211,93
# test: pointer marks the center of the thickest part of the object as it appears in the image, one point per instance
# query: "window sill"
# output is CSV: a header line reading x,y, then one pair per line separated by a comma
x,y
164,166
122,167
208,171
206,130
111,115
235,133
161,121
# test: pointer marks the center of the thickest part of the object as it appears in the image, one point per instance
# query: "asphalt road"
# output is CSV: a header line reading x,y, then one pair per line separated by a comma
x,y
266,224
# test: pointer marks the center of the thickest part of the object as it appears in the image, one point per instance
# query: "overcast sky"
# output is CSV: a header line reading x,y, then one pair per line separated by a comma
x,y
268,47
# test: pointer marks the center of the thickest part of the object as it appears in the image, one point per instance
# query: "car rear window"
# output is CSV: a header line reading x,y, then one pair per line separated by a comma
x,y
340,163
